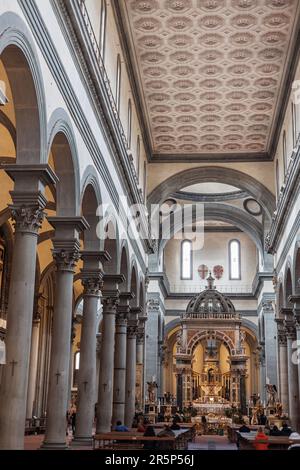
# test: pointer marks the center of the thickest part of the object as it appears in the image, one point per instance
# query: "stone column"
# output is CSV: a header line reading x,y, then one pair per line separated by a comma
x,y
140,362
292,376
92,283
27,212
283,370
151,340
33,366
131,367
262,373
106,375
123,310
66,254
98,365
296,349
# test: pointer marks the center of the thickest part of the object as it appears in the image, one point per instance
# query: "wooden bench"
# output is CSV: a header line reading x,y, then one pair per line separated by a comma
x,y
129,440
232,430
275,442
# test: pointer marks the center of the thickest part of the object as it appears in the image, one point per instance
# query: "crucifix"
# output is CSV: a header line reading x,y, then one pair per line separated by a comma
x,y
13,364
57,375
104,386
85,384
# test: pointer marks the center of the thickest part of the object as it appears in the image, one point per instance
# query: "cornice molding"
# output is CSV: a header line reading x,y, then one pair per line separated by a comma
x,y
164,286
201,197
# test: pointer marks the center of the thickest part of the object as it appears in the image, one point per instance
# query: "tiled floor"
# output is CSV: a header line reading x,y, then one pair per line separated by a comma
x,y
201,443
211,443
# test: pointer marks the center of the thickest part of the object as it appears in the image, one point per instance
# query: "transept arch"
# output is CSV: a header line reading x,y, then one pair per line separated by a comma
x,y
214,174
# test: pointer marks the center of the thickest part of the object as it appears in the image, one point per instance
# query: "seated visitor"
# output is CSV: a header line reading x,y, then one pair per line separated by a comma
x,y
166,432
261,440
285,430
244,427
149,432
175,426
120,427
141,426
295,436
275,431
262,419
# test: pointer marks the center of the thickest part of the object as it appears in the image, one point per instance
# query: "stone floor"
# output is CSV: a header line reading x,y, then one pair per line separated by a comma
x,y
210,442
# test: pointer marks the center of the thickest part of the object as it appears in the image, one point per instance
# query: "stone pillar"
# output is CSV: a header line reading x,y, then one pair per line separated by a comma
x,y
151,340
283,369
262,373
270,342
98,365
33,366
106,376
27,212
66,254
92,283
131,367
123,310
140,357
292,376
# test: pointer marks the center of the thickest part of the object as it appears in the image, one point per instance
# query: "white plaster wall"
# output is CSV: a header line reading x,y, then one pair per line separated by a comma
x,y
214,252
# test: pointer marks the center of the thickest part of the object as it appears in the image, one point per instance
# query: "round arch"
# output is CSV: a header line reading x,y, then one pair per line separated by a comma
x,y
288,283
63,149
200,335
124,266
214,174
230,214
296,267
19,57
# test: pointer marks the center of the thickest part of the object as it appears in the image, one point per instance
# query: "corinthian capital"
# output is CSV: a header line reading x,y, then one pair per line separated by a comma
x,y
92,286
66,258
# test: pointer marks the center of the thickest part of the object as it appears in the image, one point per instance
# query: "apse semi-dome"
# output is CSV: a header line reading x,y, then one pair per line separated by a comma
x,y
210,301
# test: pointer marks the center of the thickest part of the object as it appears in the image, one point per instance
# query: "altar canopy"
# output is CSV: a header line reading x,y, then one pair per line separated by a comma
x,y
211,359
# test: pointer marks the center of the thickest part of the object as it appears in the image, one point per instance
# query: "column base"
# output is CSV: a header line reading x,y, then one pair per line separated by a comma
x,y
54,446
82,441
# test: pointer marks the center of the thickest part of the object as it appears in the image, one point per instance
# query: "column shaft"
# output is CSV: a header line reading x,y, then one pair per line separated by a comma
x,y
106,375
60,351
130,376
293,385
33,368
120,371
14,382
87,368
283,374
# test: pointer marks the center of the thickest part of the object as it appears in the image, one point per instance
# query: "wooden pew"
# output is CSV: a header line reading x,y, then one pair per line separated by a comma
x,y
232,430
275,442
130,441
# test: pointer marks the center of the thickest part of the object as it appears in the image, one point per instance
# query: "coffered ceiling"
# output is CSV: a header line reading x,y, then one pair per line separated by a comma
x,y
210,74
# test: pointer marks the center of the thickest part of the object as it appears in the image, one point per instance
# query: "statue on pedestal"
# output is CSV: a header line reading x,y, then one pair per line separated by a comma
x,y
152,386
271,394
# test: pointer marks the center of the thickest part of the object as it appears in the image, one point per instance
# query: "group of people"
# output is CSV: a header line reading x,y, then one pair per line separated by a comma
x,y
261,441
141,424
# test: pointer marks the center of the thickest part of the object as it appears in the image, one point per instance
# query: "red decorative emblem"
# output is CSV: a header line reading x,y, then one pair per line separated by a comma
x,y
203,271
218,271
